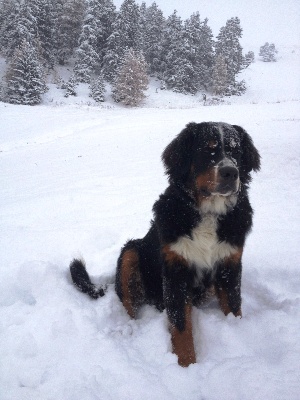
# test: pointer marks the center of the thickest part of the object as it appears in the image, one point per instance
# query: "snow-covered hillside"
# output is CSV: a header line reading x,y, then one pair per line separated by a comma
x,y
83,179
266,83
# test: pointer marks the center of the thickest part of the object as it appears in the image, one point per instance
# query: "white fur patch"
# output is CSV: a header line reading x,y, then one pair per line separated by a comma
x,y
218,204
204,249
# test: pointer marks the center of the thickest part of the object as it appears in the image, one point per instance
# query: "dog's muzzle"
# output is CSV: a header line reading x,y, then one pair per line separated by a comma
x,y
228,179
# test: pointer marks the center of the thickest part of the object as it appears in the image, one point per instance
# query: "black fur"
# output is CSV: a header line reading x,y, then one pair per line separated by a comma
x,y
158,275
82,280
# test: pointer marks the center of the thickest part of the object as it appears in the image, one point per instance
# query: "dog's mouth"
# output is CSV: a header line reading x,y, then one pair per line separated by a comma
x,y
225,191
203,191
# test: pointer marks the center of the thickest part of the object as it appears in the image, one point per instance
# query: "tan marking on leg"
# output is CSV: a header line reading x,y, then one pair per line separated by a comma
x,y
231,262
235,258
129,266
171,256
183,342
223,300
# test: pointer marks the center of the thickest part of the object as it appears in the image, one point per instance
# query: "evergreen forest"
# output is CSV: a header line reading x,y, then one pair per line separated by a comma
x,y
121,48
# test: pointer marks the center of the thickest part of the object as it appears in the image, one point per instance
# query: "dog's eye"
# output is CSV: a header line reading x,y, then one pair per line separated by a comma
x,y
235,153
212,144
210,151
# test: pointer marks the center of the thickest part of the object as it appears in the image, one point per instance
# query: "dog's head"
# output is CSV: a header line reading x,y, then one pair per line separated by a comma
x,y
211,158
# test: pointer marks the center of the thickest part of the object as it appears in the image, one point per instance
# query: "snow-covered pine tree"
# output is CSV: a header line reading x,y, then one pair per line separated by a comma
x,y
142,24
2,93
68,25
87,58
131,79
228,46
22,25
86,62
198,53
205,55
219,76
9,10
267,52
25,82
173,53
45,26
248,59
56,17
130,25
30,19
70,86
105,16
154,25
97,89
113,54
125,34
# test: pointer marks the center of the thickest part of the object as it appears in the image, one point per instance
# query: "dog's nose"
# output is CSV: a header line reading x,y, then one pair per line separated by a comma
x,y
229,173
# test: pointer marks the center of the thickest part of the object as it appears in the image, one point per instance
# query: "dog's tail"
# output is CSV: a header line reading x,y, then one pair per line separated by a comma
x,y
82,280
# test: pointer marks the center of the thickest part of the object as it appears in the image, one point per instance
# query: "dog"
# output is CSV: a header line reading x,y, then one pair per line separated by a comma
x,y
195,242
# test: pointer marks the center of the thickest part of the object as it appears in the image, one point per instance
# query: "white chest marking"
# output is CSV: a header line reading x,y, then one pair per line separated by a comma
x,y
204,249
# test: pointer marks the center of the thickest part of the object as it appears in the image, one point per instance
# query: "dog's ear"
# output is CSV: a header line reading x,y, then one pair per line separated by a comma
x,y
177,156
250,156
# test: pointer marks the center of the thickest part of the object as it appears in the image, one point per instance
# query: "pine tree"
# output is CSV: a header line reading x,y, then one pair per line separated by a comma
x,y
267,52
86,62
219,76
9,10
56,17
228,46
205,55
97,89
104,12
129,23
32,20
87,57
248,59
46,28
113,55
153,29
142,24
21,26
198,53
25,82
70,86
125,35
187,54
173,53
131,79
68,24
2,93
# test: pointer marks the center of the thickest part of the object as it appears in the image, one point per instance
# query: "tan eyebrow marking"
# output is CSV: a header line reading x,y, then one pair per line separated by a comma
x,y
213,144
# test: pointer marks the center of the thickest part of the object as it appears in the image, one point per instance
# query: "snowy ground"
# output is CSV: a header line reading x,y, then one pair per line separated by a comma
x,y
81,178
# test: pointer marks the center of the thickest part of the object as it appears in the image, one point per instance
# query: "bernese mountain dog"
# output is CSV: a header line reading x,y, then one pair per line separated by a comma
x,y
195,242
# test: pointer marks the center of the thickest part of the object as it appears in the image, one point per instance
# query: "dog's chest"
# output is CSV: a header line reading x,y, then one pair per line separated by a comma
x,y
203,249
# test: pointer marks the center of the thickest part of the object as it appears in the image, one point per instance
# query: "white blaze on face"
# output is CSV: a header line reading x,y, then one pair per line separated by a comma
x,y
226,161
222,138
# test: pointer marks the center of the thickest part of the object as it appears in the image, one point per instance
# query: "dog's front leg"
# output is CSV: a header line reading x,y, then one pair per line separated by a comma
x,y
177,299
182,339
228,284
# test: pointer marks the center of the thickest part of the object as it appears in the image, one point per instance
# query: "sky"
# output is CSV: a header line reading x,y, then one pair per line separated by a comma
x,y
275,21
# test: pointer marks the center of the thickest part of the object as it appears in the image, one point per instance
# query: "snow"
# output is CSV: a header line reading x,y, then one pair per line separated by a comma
x,y
80,178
